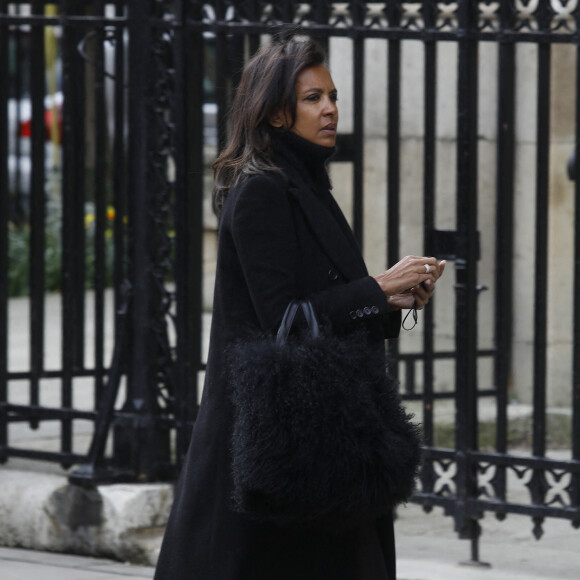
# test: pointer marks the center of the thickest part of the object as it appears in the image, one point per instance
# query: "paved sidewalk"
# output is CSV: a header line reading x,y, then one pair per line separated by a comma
x,y
18,564
427,547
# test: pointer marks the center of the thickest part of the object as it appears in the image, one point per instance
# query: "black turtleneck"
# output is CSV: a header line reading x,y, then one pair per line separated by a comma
x,y
299,152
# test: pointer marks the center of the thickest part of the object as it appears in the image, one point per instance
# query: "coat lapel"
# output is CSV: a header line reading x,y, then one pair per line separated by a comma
x,y
343,251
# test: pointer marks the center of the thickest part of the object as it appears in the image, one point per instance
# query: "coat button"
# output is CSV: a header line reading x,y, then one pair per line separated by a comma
x,y
367,310
332,274
359,313
375,309
352,314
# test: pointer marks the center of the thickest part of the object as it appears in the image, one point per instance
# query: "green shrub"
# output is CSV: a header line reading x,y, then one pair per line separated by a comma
x,y
18,243
19,253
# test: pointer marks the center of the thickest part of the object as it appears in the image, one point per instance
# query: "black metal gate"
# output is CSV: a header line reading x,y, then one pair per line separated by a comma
x,y
96,159
135,107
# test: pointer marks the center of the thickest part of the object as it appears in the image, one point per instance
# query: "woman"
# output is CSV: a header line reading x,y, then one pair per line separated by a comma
x,y
282,236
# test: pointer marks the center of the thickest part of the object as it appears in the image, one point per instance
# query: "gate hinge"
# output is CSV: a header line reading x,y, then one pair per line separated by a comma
x,y
450,244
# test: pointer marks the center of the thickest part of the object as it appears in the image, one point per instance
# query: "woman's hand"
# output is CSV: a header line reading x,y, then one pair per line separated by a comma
x,y
402,284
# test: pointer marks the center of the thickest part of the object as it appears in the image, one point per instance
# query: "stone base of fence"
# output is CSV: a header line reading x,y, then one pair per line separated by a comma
x,y
42,511
520,424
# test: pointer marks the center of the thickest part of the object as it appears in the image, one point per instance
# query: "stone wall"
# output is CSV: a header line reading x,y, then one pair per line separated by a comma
x,y
561,232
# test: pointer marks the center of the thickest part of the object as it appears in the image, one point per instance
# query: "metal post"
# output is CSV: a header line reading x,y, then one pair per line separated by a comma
x,y
72,216
3,239
393,144
504,239
358,128
466,277
575,488
429,165
537,483
138,441
189,224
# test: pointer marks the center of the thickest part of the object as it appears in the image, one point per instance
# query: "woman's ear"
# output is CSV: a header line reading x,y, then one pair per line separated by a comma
x,y
278,120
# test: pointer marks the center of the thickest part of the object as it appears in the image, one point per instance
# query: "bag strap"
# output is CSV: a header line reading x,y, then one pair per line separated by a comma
x,y
290,316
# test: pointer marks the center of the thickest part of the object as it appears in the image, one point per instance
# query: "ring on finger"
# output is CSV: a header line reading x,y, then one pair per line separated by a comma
x,y
427,268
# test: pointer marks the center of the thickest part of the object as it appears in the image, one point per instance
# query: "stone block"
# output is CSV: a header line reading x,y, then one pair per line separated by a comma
x,y
124,522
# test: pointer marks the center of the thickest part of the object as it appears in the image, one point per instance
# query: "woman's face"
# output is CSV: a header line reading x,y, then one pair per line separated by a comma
x,y
316,110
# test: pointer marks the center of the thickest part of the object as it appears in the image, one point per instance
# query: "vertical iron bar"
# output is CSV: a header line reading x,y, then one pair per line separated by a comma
x,y
142,351
18,91
537,483
393,157
541,252
320,13
466,273
358,126
409,385
575,487
222,87
77,210
504,241
72,158
189,222
321,10
285,10
254,10
192,345
236,46
429,169
100,168
119,167
38,208
4,219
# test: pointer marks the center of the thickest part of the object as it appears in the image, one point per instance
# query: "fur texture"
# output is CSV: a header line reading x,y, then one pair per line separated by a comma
x,y
320,437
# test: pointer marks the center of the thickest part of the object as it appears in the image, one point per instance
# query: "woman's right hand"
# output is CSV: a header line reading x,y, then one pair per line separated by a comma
x,y
409,272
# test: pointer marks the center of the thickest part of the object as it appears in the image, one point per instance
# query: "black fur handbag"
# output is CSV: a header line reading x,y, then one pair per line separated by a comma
x,y
320,437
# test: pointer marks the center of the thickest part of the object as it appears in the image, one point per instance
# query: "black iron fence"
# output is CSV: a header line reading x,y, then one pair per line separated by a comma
x,y
109,113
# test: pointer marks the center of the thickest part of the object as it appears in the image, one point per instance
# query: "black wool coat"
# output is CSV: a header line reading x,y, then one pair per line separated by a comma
x,y
281,237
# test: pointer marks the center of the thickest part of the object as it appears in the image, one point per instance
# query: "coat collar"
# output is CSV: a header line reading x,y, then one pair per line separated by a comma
x,y
303,163
333,235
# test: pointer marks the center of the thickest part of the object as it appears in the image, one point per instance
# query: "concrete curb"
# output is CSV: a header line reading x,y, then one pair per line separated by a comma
x,y
19,564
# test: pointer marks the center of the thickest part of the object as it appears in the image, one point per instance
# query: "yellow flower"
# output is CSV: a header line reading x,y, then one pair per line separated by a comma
x,y
89,219
110,213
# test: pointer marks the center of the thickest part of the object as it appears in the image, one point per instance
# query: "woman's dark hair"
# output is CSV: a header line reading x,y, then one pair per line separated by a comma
x,y
267,86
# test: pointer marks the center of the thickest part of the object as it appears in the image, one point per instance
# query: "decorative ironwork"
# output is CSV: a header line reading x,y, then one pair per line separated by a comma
x,y
539,486
405,19
489,15
162,172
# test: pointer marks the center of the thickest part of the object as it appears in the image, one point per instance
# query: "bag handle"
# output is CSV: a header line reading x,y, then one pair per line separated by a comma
x,y
289,317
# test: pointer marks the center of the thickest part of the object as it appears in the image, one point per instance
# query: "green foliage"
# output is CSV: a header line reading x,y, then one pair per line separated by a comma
x,y
19,253
18,238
